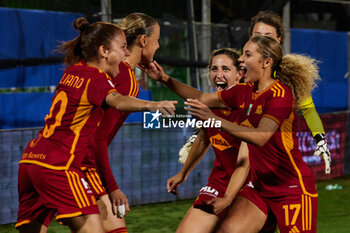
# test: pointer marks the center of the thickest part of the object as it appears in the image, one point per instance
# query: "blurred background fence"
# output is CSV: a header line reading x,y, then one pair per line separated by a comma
x,y
141,159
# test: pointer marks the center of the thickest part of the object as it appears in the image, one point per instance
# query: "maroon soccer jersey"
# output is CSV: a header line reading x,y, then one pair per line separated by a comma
x,y
97,155
225,148
277,167
68,126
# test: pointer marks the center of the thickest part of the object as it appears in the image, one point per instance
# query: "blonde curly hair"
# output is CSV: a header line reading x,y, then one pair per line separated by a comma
x,y
298,72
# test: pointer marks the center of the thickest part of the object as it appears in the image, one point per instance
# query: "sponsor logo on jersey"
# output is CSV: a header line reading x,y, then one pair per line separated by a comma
x,y
207,190
219,142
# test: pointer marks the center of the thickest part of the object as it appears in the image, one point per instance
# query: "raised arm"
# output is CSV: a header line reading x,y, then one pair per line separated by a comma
x,y
199,149
156,72
237,180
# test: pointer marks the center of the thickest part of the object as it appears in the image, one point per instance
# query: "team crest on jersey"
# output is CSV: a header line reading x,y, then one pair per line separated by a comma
x,y
258,110
225,112
246,123
219,142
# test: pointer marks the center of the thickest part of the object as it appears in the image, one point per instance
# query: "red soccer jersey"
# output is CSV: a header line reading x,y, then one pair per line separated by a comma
x,y
97,155
68,126
225,148
277,167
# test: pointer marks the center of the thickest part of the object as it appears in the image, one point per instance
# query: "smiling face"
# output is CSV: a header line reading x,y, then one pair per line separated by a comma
x,y
115,54
262,29
251,62
223,73
151,45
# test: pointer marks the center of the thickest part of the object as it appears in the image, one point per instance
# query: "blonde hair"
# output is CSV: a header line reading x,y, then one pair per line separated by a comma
x,y
298,72
135,25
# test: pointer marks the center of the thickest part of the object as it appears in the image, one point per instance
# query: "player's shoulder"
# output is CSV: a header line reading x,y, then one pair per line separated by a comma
x,y
280,90
240,86
125,70
82,70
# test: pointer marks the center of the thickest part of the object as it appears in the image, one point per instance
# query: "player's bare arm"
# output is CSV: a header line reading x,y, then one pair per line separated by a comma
x,y
236,182
257,136
155,71
199,148
130,104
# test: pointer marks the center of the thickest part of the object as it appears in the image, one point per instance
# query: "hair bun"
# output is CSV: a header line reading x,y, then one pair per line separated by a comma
x,y
81,24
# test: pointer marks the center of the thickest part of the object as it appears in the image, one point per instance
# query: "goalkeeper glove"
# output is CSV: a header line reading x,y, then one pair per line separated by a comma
x,y
183,153
322,149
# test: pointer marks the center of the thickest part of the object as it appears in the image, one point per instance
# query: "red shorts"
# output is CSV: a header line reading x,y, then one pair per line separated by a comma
x,y
294,213
94,180
207,193
43,193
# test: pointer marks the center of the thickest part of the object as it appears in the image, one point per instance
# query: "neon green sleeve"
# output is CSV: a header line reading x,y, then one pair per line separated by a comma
x,y
311,116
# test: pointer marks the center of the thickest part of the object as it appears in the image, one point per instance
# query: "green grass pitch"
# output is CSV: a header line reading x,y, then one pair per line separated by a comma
x,y
333,213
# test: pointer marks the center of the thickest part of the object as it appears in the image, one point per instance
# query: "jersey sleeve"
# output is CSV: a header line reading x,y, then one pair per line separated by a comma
x,y
311,116
279,108
232,97
99,87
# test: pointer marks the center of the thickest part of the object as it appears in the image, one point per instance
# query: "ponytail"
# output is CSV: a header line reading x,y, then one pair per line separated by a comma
x,y
86,44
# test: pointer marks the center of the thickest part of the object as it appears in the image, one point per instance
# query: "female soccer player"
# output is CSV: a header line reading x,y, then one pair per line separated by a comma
x,y
203,217
268,23
50,181
142,34
280,179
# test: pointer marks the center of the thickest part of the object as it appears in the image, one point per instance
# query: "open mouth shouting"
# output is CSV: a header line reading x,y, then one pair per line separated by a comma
x,y
220,85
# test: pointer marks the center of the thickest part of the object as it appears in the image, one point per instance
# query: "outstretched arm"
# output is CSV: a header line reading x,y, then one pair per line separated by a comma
x,y
237,180
199,148
156,72
257,136
126,103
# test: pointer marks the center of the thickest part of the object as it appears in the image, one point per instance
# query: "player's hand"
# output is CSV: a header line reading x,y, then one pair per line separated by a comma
x,y
118,198
174,182
154,71
166,107
219,204
199,109
322,149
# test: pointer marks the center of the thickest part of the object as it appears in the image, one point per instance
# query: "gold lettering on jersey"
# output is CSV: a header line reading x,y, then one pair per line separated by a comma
x,y
246,123
219,142
72,80
33,156
241,106
258,109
